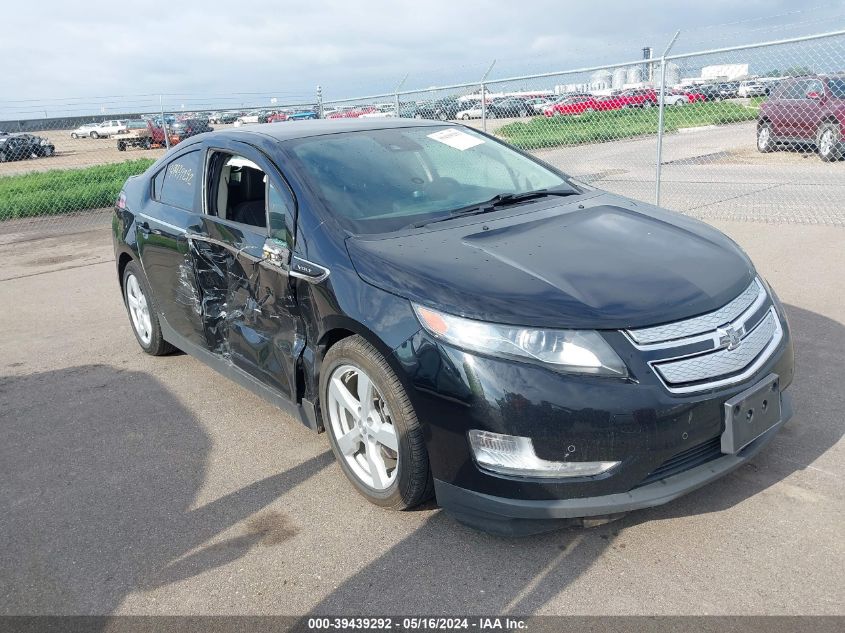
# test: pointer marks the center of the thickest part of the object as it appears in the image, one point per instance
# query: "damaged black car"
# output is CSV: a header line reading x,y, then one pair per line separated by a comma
x,y
463,320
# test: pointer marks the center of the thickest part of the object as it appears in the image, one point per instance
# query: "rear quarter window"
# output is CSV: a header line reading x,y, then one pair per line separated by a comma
x,y
177,184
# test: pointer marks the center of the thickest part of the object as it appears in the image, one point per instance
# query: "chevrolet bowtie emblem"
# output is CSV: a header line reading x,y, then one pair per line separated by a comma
x,y
729,337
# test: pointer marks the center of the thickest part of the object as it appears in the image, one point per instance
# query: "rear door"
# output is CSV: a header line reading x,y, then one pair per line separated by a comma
x,y
809,111
161,233
249,312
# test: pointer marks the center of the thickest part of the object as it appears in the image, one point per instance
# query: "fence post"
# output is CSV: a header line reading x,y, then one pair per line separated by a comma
x,y
163,122
396,94
484,97
661,109
319,102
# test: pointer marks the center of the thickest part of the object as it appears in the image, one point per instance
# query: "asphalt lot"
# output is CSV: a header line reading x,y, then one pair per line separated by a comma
x,y
139,485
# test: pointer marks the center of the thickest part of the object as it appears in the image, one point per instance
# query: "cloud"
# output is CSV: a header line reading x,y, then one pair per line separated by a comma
x,y
205,49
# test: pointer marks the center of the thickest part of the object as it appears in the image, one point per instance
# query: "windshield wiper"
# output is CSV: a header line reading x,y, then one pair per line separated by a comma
x,y
498,201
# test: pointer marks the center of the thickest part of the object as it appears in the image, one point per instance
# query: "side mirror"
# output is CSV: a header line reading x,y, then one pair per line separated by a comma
x,y
277,253
814,95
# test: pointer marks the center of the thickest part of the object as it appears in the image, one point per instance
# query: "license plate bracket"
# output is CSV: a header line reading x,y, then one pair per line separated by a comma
x,y
751,413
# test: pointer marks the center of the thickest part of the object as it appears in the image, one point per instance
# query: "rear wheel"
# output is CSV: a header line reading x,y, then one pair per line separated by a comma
x,y
121,146
765,142
74,135
372,427
142,313
94,135
828,142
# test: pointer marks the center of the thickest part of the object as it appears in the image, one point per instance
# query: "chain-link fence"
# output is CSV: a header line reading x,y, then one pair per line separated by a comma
x,y
747,132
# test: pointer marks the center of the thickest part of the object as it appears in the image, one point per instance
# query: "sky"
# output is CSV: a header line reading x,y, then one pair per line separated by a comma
x,y
60,57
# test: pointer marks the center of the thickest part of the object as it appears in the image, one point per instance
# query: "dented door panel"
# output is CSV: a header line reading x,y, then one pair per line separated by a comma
x,y
247,308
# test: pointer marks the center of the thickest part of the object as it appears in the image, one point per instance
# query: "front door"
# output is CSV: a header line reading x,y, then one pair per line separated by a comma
x,y
249,312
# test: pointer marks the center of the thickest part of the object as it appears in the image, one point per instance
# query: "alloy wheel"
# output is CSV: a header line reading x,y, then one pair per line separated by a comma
x,y
763,136
362,427
139,310
826,142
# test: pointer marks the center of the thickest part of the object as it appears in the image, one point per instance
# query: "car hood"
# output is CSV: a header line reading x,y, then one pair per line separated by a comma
x,y
595,261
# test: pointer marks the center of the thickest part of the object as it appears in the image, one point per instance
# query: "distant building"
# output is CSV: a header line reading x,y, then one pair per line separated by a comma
x,y
724,72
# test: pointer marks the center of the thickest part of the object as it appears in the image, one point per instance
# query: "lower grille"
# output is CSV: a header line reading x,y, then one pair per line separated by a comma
x,y
690,458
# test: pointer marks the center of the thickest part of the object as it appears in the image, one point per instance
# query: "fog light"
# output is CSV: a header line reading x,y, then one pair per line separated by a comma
x,y
514,455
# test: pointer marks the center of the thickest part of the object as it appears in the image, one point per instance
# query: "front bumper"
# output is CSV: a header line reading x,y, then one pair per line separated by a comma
x,y
515,516
636,421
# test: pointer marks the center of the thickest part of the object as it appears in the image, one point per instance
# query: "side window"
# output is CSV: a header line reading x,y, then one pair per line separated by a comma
x,y
814,86
236,190
180,181
280,212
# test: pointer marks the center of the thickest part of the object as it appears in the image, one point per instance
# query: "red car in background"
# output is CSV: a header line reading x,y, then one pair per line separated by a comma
x,y
573,105
352,113
277,116
636,98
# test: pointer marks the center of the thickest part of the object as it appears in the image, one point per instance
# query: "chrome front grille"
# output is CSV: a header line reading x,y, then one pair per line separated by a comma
x,y
717,349
700,324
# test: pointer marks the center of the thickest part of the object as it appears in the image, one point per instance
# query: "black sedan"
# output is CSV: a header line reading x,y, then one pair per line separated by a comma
x,y
511,107
187,128
23,146
460,318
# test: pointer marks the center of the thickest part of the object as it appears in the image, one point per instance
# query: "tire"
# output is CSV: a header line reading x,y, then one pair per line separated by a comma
x,y
121,146
765,142
679,103
94,134
409,483
47,152
491,115
523,113
74,135
647,104
465,117
717,99
3,158
443,116
829,142
152,342
148,143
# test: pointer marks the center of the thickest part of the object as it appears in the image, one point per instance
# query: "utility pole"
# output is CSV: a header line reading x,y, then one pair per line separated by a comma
x,y
662,107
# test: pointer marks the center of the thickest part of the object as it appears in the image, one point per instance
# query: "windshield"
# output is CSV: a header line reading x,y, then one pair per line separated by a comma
x,y
837,88
375,181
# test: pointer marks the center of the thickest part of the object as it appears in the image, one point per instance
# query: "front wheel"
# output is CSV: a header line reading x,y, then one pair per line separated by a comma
x,y
142,313
121,146
94,135
74,135
828,142
372,426
765,143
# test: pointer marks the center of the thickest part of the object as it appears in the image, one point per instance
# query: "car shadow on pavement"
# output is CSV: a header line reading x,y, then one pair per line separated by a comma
x,y
100,471
463,571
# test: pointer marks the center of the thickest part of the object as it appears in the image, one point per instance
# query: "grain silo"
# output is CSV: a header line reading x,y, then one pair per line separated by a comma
x,y
673,74
601,80
620,76
635,75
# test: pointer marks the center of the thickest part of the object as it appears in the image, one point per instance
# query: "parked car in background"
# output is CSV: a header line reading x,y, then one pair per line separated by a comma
x,y
752,89
381,111
24,146
637,98
729,89
303,115
144,134
805,111
463,321
250,117
85,130
277,117
538,104
509,107
442,109
224,117
352,112
471,110
108,128
582,105
188,128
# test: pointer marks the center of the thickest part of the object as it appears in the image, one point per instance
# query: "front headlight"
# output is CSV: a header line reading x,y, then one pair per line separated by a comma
x,y
577,351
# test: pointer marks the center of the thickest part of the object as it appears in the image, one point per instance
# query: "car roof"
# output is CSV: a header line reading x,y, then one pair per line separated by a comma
x,y
320,127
